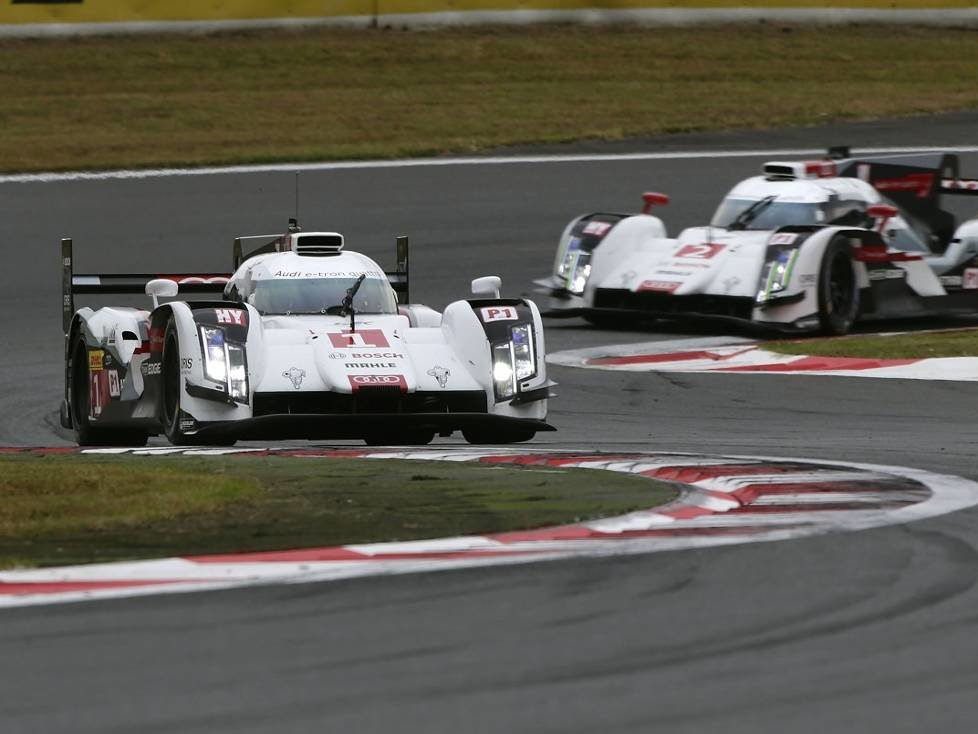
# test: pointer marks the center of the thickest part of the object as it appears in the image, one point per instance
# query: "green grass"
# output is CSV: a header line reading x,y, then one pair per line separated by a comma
x,y
913,345
77,509
328,94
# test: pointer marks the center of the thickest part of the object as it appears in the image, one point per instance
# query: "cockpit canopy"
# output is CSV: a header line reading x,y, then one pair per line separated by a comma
x,y
296,296
289,283
776,213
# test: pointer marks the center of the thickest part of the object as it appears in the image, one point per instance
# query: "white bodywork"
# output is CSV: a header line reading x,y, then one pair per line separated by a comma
x,y
411,349
637,256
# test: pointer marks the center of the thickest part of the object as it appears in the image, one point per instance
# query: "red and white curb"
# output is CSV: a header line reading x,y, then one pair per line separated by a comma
x,y
730,355
723,500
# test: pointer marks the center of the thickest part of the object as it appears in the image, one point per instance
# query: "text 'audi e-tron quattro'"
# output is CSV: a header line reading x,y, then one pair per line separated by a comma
x,y
306,340
805,246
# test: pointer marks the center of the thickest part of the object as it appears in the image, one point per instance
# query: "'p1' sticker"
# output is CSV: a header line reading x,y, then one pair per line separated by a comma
x,y
498,313
970,279
231,316
115,388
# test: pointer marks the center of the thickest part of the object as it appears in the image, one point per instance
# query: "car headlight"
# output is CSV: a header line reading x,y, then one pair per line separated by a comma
x,y
225,362
523,357
574,267
513,361
503,374
776,275
215,356
237,373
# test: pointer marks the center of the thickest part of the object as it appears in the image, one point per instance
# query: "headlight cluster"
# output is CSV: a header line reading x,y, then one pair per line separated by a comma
x,y
513,361
574,267
224,362
777,272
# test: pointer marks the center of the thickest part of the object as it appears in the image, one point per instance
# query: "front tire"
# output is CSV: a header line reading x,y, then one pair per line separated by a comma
x,y
170,374
173,395
838,290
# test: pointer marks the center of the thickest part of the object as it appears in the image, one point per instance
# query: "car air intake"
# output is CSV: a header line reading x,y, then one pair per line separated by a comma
x,y
318,245
779,172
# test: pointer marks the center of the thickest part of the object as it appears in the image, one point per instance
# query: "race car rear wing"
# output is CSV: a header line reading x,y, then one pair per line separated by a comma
x,y
73,283
131,283
965,186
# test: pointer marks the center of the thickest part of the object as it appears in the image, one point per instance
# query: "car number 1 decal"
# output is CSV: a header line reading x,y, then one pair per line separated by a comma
x,y
359,339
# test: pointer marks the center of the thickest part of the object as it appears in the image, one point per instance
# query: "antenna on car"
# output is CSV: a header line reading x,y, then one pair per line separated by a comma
x,y
296,196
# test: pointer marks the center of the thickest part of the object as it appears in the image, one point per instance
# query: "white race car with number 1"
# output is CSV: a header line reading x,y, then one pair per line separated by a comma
x,y
308,342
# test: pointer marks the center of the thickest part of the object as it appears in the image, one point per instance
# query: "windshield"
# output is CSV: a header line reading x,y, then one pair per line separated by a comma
x,y
322,295
772,216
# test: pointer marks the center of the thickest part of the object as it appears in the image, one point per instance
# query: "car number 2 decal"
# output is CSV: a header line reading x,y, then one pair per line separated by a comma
x,y
702,251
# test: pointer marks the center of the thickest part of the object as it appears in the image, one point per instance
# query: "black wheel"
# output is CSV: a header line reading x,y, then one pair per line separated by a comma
x,y
508,435
838,291
418,437
85,433
603,321
172,389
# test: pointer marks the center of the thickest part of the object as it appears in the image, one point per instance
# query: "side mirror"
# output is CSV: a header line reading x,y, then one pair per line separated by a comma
x,y
653,198
882,212
487,287
161,288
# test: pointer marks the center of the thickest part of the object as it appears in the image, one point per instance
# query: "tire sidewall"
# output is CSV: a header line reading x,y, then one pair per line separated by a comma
x,y
78,390
171,359
833,321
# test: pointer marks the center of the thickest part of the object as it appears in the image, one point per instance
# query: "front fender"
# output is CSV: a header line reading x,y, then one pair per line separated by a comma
x,y
579,243
473,327
801,249
204,398
641,233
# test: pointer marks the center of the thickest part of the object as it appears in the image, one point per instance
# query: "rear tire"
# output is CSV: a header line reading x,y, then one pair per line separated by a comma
x,y
85,433
400,438
838,290
604,321
510,435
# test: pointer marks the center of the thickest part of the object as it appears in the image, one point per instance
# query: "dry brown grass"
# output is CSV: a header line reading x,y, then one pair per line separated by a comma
x,y
328,94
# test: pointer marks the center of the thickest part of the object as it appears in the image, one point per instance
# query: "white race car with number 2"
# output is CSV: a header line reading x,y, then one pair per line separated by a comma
x,y
806,246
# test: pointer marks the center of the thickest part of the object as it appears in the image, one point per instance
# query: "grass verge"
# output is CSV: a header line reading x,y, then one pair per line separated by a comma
x,y
328,94
77,509
911,345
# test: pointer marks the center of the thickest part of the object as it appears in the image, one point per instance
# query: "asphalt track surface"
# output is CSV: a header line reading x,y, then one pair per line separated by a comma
x,y
874,631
